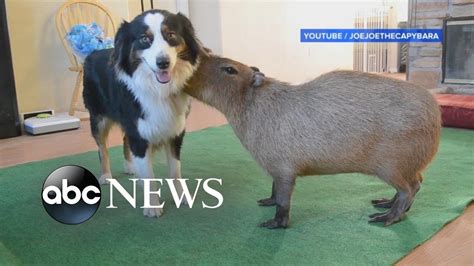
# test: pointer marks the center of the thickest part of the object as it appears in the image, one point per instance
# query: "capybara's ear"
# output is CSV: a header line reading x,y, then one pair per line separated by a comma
x,y
255,69
258,79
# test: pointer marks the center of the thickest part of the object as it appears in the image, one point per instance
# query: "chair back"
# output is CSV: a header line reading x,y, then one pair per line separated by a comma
x,y
75,12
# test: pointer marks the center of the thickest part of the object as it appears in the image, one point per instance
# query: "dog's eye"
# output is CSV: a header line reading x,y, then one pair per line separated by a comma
x,y
170,35
230,70
144,39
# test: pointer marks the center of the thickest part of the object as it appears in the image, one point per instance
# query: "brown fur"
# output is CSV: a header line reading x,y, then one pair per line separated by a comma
x,y
340,122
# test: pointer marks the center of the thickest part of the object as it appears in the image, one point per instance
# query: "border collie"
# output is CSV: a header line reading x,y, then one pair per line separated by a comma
x,y
137,85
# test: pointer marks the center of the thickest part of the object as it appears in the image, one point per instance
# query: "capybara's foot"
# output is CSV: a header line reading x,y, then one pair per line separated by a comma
x,y
387,217
267,202
399,206
384,203
276,223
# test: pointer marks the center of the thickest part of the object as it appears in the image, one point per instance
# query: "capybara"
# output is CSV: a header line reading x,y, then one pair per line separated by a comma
x,y
340,122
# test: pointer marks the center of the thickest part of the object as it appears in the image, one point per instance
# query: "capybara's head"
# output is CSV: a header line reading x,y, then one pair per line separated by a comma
x,y
218,77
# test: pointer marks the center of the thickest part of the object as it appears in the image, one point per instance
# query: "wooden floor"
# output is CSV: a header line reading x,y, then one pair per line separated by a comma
x,y
453,245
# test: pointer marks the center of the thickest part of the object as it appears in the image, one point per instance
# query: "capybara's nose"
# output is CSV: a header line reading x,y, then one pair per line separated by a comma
x,y
163,62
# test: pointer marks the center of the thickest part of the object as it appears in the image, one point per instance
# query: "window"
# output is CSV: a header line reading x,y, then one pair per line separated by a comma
x,y
458,61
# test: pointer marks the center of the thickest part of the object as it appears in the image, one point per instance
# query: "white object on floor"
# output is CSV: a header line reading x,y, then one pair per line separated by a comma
x,y
59,122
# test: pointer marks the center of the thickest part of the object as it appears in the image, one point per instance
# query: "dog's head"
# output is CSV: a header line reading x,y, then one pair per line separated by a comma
x,y
157,46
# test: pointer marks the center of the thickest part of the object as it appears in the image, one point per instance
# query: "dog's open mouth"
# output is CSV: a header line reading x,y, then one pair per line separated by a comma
x,y
163,76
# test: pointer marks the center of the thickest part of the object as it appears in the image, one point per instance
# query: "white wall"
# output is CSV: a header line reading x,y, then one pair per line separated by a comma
x,y
265,33
134,6
39,60
206,18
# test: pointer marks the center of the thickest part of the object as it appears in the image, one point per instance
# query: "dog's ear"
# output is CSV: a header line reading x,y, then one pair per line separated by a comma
x,y
194,47
207,50
122,47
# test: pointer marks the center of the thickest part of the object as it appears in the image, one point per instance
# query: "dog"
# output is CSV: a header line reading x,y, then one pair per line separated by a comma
x,y
137,85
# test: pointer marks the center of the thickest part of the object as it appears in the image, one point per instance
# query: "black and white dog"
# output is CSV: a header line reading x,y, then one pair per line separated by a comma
x,y
137,85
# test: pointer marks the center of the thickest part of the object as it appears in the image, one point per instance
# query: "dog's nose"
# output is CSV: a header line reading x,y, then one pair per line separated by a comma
x,y
163,62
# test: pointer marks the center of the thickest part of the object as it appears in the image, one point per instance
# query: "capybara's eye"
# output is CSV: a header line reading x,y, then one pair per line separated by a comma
x,y
230,70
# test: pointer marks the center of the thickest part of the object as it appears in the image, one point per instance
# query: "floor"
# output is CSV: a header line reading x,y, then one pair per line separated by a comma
x,y
453,245
28,148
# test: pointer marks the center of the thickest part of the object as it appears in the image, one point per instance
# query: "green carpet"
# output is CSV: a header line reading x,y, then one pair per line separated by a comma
x,y
329,216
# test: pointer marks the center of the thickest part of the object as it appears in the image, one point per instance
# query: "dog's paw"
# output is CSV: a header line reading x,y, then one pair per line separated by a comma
x,y
184,202
103,178
128,167
152,212
179,191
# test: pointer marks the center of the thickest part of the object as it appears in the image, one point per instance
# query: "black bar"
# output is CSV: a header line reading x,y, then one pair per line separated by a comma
x,y
9,117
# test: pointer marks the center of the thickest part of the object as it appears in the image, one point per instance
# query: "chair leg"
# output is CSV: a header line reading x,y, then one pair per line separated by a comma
x,y
76,93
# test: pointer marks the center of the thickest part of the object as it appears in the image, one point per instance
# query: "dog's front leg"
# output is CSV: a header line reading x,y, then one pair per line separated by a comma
x,y
127,155
173,154
142,156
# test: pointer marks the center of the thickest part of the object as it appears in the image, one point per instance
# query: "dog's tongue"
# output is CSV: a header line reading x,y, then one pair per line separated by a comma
x,y
163,76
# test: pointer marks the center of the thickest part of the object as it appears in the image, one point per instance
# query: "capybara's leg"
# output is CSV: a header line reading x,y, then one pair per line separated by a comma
x,y
268,201
406,191
283,191
416,185
384,203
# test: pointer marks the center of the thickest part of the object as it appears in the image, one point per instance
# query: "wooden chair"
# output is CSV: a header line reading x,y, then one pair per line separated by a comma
x,y
75,12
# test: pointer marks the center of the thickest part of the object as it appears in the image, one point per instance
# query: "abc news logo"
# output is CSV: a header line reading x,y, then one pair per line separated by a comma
x,y
72,195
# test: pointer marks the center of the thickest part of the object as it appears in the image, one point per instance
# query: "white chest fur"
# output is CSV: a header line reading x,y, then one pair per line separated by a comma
x,y
163,118
164,106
